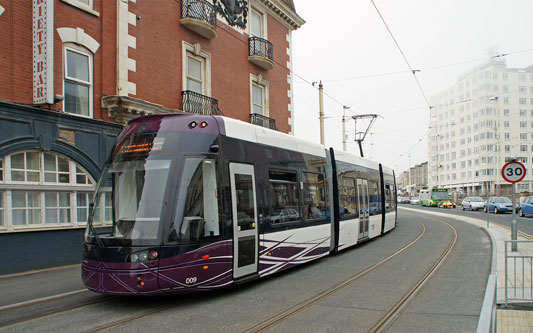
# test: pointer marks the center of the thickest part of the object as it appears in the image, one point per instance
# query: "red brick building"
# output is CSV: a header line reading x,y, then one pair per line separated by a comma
x,y
73,71
138,53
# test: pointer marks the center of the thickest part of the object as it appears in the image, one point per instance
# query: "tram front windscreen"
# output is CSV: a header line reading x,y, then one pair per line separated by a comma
x,y
130,193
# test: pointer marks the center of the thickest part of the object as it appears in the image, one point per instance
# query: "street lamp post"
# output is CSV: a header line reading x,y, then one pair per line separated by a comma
x,y
498,147
344,108
409,174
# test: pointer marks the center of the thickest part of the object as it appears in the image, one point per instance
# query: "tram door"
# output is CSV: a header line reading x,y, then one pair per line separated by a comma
x,y
244,207
364,211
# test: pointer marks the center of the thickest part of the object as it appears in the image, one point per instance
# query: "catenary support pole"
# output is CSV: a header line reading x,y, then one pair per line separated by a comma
x,y
321,111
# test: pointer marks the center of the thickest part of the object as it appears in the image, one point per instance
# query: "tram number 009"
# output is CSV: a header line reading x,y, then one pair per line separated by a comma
x,y
191,280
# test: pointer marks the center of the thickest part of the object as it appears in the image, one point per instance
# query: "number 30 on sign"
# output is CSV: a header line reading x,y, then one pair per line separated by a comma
x,y
513,171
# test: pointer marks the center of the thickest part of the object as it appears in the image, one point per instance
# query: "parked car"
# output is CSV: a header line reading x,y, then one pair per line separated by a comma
x,y
414,201
404,200
447,204
473,203
526,207
498,205
284,215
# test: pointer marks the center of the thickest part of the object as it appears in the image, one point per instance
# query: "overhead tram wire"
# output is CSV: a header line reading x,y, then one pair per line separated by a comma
x,y
403,55
368,76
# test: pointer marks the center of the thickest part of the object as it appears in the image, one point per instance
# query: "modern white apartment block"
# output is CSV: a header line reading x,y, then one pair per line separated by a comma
x,y
479,123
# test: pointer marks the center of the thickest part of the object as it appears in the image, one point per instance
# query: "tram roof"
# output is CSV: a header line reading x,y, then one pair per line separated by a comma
x,y
244,131
354,159
248,132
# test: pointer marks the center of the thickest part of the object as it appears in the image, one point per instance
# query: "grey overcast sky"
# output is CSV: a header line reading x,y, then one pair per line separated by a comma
x,y
345,44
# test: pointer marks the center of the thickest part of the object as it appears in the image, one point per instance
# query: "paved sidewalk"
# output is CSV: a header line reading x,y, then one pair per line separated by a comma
x,y
508,320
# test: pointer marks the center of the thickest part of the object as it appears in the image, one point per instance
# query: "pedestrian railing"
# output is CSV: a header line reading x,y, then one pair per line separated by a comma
x,y
519,272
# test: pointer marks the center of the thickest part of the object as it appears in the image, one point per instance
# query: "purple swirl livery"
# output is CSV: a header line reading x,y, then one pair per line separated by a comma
x,y
170,275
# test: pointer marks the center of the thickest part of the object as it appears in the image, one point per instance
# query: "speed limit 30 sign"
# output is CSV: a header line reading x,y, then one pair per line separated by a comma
x,y
513,171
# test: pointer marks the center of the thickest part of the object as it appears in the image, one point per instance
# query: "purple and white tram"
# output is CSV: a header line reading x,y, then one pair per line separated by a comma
x,y
190,202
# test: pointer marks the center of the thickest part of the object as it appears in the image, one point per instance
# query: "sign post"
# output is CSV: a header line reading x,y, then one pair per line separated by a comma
x,y
513,172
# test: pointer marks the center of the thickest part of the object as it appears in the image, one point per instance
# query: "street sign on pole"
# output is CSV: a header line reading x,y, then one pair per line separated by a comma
x,y
513,172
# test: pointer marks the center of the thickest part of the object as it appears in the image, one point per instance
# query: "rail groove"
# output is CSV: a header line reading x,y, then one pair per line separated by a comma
x,y
288,313
389,318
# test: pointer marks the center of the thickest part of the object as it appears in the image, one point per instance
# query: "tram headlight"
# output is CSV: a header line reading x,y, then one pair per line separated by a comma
x,y
143,256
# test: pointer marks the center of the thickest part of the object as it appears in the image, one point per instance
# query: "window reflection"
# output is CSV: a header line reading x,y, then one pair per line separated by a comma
x,y
314,196
347,197
197,212
283,197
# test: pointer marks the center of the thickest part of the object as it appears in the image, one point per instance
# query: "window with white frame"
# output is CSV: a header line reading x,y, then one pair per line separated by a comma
x,y
42,190
2,224
78,81
258,99
256,24
195,74
81,4
25,167
88,3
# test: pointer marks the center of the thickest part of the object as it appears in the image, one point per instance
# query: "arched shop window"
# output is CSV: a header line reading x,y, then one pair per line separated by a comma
x,y
43,190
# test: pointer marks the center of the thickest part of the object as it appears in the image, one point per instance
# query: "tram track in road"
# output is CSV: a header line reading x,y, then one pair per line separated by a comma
x,y
390,316
331,290
398,308
50,312
155,309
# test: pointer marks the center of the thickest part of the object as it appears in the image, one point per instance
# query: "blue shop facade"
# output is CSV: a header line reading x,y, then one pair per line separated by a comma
x,y
49,165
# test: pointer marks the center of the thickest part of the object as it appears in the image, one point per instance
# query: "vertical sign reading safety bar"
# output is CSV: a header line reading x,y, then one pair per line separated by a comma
x,y
43,50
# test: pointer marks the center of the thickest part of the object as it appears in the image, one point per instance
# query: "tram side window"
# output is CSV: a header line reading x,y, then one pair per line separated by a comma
x,y
283,197
197,204
375,198
314,193
347,197
388,199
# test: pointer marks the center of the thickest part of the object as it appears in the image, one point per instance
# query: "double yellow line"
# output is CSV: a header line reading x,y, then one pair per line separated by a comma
x,y
520,233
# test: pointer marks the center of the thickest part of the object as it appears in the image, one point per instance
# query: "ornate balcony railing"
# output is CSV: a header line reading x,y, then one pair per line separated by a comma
x,y
261,52
199,16
260,120
197,103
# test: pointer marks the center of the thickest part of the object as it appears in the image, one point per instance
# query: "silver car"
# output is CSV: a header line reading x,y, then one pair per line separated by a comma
x,y
473,203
